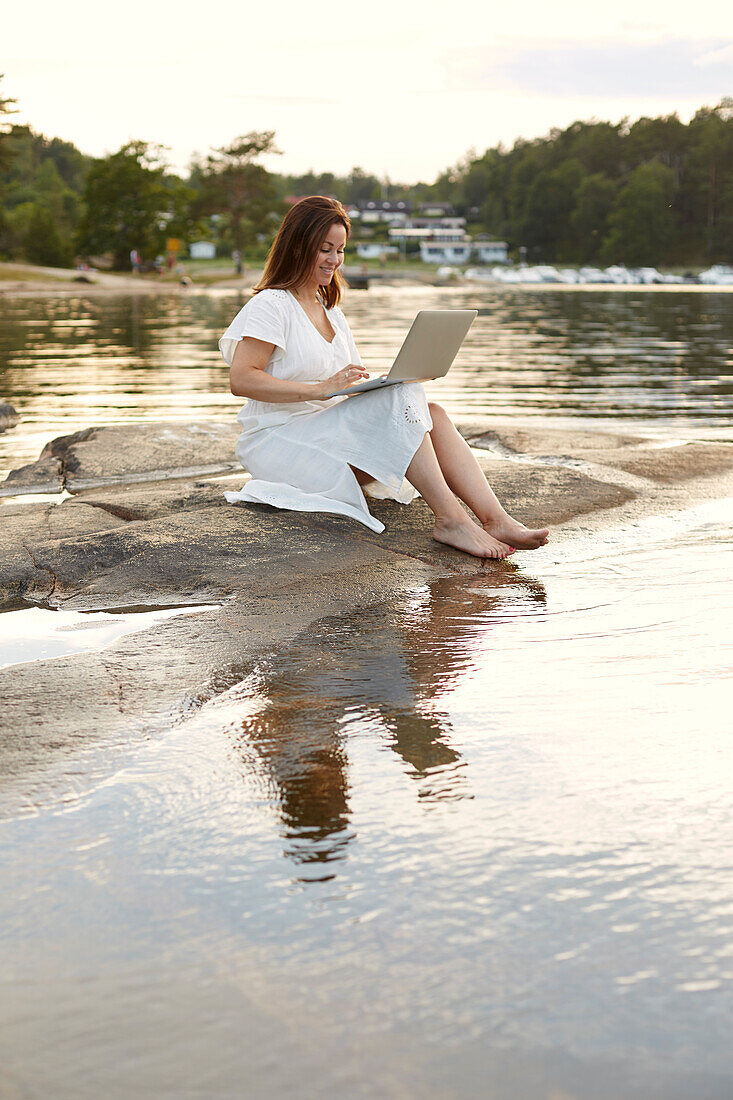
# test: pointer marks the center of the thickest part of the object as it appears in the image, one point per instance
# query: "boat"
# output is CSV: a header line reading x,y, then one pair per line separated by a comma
x,y
717,275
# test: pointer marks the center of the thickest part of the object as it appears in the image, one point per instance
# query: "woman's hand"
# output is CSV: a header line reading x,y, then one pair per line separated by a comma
x,y
349,376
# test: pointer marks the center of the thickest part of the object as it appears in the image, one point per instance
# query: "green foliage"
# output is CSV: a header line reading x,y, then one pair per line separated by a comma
x,y
594,200
127,205
549,203
641,224
7,107
233,187
650,192
580,194
43,243
31,154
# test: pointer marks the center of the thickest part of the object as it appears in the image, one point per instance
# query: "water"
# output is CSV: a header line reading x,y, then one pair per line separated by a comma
x,y
656,357
475,841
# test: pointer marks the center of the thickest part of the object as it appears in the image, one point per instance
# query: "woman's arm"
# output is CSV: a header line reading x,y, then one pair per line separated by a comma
x,y
248,377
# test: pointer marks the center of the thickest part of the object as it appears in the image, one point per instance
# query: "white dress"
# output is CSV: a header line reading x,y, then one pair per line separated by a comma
x,y
301,454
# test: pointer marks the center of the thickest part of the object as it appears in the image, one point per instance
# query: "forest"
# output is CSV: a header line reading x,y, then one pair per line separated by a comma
x,y
656,191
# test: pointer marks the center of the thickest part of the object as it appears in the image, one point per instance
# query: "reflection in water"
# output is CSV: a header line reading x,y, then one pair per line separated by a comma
x,y
384,667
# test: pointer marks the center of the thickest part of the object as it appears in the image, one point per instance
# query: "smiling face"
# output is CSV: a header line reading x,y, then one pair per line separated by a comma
x,y
330,255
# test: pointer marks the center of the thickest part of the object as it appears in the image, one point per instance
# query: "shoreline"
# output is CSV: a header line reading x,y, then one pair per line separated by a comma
x,y
27,281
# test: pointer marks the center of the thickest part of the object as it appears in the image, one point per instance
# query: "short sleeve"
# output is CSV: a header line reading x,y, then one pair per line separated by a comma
x,y
263,317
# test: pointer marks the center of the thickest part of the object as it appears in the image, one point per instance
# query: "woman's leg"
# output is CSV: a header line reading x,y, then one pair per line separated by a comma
x,y
452,525
465,477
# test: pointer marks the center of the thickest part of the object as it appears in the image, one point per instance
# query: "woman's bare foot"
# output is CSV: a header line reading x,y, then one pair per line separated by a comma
x,y
468,536
509,530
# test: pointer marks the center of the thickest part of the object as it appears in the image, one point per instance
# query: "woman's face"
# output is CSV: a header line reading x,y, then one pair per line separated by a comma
x,y
330,255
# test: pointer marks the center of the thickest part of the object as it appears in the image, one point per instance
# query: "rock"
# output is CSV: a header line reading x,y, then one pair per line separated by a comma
x,y
8,417
142,681
635,455
128,453
535,495
197,556
156,499
557,442
25,528
42,476
181,543
170,542
668,465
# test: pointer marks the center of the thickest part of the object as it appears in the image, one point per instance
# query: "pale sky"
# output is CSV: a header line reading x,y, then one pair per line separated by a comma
x,y
400,89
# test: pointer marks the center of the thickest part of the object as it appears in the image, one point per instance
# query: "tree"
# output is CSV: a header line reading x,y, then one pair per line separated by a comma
x,y
706,200
641,224
7,107
598,146
232,183
589,220
550,202
43,244
127,204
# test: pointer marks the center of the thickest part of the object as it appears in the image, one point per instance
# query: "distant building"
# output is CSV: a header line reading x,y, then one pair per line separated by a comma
x,y
438,244
394,213
492,252
423,221
445,252
436,209
373,250
202,250
436,233
439,234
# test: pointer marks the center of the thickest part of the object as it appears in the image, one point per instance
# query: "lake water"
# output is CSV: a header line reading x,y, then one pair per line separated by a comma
x,y
658,357
475,842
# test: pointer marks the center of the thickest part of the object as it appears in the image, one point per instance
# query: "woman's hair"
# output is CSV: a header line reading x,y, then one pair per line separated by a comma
x,y
293,254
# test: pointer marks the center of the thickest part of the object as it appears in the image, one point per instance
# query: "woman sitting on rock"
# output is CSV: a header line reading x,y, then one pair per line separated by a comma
x,y
288,348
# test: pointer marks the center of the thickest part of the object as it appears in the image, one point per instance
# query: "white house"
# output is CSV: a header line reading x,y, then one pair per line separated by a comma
x,y
436,233
394,213
202,250
492,252
445,252
373,250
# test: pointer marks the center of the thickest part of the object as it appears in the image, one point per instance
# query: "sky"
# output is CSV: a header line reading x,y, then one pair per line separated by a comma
x,y
401,89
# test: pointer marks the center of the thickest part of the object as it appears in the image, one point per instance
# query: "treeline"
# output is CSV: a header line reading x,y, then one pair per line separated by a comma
x,y
656,192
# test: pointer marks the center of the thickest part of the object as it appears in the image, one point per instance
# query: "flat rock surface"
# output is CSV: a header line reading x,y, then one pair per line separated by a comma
x,y
667,465
128,453
181,542
24,528
148,501
559,442
135,534
169,669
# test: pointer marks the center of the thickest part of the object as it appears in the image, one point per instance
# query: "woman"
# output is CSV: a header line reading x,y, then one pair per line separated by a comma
x,y
287,349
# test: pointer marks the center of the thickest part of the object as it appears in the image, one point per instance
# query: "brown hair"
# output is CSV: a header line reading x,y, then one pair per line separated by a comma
x,y
294,250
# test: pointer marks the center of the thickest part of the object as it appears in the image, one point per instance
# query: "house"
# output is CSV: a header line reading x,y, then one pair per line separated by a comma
x,y
394,213
425,222
202,250
445,252
438,244
436,209
430,233
374,250
491,252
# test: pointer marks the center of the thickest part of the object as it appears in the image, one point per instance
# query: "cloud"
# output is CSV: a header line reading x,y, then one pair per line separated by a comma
x,y
671,67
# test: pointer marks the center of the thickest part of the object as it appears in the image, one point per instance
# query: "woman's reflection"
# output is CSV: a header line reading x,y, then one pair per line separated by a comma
x,y
388,666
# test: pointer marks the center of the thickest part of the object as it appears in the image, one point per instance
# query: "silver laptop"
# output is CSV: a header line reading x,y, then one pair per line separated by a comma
x,y
428,351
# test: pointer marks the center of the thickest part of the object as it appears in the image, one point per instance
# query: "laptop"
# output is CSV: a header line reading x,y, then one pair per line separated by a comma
x,y
428,351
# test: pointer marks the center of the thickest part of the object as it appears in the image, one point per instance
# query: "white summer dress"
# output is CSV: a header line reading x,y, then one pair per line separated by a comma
x,y
300,454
